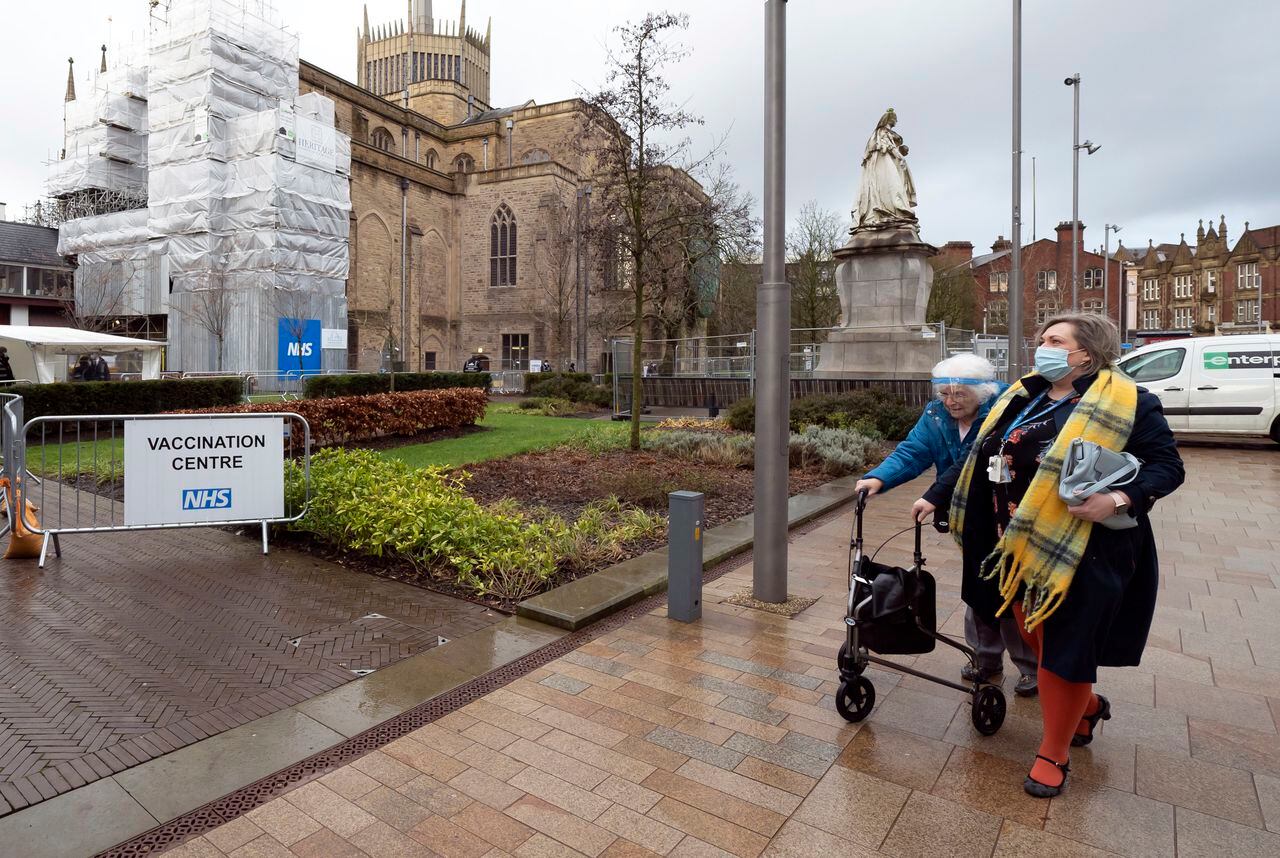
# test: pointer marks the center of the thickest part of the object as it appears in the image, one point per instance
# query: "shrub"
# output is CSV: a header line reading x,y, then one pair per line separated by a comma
x,y
127,397
551,407
324,386
713,448
836,451
365,503
569,386
698,424
342,419
651,491
864,410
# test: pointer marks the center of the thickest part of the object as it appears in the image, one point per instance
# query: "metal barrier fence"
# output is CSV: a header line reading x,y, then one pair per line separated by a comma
x,y
73,469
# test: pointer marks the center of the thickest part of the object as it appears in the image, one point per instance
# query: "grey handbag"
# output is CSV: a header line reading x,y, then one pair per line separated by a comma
x,y
1090,468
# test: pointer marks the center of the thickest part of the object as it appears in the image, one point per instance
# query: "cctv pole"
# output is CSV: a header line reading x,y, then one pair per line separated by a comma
x,y
773,309
1016,361
1074,81
1106,265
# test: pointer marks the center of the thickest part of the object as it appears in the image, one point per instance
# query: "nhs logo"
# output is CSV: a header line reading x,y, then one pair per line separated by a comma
x,y
206,498
300,349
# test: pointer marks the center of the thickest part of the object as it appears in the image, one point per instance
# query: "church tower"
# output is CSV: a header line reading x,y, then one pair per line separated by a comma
x,y
441,66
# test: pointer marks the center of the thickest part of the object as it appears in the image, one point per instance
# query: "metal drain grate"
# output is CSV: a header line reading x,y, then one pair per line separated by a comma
x,y
229,807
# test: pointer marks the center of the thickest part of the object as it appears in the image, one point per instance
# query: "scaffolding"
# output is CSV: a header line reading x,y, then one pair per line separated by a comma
x,y
247,192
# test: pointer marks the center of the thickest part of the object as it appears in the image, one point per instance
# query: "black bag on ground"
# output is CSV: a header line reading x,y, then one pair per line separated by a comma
x,y
897,610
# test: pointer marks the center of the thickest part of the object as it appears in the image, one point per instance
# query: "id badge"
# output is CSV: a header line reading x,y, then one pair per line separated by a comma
x,y
998,470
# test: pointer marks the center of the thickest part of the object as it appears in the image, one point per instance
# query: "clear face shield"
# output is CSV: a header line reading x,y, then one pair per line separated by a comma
x,y
959,395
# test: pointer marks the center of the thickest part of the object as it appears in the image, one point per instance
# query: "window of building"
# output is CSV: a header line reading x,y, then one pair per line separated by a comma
x,y
457,69
515,351
502,248
999,281
1211,281
1155,366
535,156
1151,289
1247,276
1093,278
1045,309
429,361
464,163
1093,306
11,279
1184,317
1247,311
1183,285
431,159
997,314
1211,313
1046,280
382,139
1150,320
368,74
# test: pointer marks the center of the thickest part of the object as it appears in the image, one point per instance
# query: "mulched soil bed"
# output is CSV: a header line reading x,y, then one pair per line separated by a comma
x,y
566,480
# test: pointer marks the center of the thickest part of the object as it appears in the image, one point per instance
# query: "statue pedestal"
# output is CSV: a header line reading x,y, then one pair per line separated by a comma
x,y
884,279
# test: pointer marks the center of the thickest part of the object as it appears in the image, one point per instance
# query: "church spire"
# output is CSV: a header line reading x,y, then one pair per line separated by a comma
x,y
366,22
71,80
488,31
462,20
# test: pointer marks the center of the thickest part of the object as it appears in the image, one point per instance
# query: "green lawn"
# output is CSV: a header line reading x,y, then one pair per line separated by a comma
x,y
508,433
81,458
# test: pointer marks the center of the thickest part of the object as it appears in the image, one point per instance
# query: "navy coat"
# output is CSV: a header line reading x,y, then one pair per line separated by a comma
x,y
1106,616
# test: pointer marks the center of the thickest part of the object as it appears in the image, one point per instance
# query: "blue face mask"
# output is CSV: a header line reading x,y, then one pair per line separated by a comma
x,y
1051,362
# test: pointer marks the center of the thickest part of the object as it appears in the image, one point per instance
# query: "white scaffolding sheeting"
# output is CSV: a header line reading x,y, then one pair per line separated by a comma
x,y
248,191
105,145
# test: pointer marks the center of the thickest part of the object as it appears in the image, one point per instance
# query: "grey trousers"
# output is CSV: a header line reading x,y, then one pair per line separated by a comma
x,y
990,642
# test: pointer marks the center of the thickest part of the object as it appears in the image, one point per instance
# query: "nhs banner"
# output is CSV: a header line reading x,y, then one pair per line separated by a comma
x,y
200,471
299,346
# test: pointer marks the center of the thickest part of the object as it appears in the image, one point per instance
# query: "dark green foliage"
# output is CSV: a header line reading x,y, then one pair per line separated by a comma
x,y
867,411
128,397
953,299
575,387
532,378
325,386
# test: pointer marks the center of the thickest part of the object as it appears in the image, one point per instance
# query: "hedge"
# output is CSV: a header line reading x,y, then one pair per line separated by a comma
x,y
343,419
127,397
573,386
324,386
867,411
532,378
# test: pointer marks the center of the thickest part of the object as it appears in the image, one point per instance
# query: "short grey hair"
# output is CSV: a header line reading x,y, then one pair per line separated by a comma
x,y
968,365
1096,334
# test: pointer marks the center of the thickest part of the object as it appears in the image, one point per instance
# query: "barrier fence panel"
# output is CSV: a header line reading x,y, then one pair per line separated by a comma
x,y
108,473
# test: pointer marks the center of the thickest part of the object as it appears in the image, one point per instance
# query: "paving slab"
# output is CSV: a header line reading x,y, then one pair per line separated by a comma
x,y
81,822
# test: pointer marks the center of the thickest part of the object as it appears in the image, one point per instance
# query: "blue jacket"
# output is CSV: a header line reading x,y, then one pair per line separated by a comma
x,y
933,442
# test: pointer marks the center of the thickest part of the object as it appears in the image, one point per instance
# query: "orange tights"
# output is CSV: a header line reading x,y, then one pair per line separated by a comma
x,y
1063,706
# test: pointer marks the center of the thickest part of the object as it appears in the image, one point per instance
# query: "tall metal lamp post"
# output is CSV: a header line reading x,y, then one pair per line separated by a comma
x,y
773,310
1076,146
1014,320
1106,270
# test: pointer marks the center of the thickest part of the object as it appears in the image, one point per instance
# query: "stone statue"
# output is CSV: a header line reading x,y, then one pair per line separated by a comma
x,y
886,194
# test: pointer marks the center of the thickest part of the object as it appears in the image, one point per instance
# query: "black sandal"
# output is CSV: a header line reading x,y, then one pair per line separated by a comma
x,y
1103,714
1036,789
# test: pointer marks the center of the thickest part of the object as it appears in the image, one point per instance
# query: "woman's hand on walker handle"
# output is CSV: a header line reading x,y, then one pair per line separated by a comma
x,y
920,509
871,486
1098,507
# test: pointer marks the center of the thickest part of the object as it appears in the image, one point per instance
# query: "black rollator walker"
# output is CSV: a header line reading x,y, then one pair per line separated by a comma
x,y
893,611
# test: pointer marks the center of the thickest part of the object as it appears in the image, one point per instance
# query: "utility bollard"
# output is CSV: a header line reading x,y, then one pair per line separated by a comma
x,y
684,556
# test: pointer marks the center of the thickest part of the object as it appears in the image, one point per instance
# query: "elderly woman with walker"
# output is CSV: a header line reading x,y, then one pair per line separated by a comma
x,y
965,386
1080,578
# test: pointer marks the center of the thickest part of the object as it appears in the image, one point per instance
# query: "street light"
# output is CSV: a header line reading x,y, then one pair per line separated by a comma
x,y
1076,146
1107,229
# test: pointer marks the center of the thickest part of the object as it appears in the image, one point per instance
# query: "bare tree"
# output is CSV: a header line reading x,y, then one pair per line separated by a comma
x,y
736,307
555,259
292,307
212,305
649,203
100,294
811,244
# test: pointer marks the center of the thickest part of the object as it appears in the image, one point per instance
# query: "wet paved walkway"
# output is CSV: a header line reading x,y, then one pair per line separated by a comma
x,y
720,737
133,645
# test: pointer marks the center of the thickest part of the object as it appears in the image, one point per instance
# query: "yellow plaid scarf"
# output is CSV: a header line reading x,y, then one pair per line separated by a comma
x,y
1043,544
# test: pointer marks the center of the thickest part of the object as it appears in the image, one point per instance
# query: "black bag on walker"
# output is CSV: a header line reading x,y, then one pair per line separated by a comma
x,y
897,610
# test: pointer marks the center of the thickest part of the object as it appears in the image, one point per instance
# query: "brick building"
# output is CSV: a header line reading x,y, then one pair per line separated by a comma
x,y
1046,279
34,279
1211,286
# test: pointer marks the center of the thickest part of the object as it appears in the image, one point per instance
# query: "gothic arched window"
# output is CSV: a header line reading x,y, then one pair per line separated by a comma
x,y
502,248
464,163
382,139
431,159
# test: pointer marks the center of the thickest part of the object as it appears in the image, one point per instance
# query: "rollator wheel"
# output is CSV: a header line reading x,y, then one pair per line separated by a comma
x,y
854,700
988,709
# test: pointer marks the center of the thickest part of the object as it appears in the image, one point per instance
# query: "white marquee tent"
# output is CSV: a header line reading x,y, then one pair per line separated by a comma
x,y
40,354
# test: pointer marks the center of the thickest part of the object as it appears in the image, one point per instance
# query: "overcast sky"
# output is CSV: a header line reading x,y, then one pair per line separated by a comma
x,y
1181,95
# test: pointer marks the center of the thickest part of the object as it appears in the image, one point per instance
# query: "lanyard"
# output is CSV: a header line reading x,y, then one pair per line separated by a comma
x,y
1023,417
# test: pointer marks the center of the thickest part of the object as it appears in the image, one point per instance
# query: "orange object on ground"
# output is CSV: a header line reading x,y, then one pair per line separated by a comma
x,y
24,544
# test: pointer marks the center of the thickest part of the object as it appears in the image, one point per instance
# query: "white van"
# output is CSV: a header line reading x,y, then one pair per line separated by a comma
x,y
1214,385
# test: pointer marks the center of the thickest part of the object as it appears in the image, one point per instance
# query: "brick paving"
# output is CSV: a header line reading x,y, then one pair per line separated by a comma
x,y
720,737
134,645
